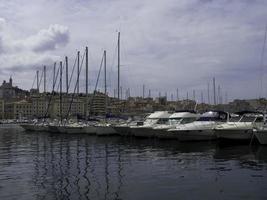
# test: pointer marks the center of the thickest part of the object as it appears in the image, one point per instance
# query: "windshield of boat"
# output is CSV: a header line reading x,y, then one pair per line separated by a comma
x,y
213,116
151,121
163,121
247,119
250,118
234,119
174,121
188,120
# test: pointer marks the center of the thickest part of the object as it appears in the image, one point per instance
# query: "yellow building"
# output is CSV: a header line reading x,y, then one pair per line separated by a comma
x,y
39,106
73,107
23,109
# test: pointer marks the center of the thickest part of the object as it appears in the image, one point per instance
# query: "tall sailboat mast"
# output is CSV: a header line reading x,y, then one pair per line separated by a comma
x,y
118,65
105,79
60,92
67,74
78,72
86,81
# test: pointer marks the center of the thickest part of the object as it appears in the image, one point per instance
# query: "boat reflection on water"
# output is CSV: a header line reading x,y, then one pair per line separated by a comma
x,y
78,166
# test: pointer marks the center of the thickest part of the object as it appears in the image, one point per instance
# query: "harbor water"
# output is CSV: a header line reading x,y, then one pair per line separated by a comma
x,y
64,166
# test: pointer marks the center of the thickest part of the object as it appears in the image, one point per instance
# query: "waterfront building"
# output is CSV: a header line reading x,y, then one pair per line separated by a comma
x,y
22,109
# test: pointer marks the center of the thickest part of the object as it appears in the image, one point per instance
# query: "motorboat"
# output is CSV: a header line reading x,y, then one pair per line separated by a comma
x,y
241,129
154,119
179,117
201,129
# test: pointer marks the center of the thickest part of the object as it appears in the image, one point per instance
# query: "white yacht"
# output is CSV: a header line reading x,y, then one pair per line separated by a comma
x,y
180,117
154,119
241,129
202,129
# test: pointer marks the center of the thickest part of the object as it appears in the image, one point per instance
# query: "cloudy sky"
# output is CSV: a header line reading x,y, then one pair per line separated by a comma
x,y
165,44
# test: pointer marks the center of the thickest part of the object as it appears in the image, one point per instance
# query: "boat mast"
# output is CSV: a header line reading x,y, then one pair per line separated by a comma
x,y
54,75
214,91
60,92
44,79
37,75
86,81
118,65
105,79
67,74
78,72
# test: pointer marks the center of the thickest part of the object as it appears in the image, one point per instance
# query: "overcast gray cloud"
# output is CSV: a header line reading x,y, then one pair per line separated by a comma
x,y
165,44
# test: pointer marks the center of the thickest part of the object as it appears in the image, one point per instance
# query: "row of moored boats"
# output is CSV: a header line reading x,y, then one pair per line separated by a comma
x,y
182,125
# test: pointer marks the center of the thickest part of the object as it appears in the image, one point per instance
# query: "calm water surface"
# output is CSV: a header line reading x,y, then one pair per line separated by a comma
x,y
59,166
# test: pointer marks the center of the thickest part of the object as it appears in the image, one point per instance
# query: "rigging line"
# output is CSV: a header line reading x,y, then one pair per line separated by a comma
x,y
77,81
92,99
111,73
52,94
34,80
262,61
72,72
41,79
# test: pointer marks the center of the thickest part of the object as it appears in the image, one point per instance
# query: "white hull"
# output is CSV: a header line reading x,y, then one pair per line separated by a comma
x,y
105,130
261,135
195,135
232,134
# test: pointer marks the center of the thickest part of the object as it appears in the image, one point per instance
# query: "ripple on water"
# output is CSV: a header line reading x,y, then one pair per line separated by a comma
x,y
62,166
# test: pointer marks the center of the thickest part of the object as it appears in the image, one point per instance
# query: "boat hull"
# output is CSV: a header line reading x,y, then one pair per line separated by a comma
x,y
144,132
91,130
53,129
231,134
195,135
123,130
105,131
35,128
164,134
